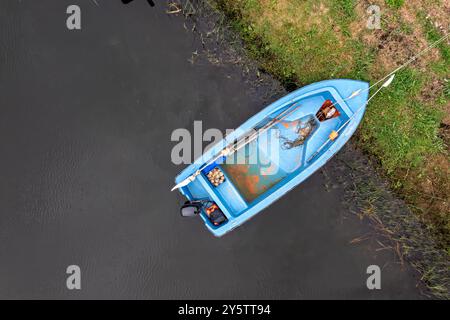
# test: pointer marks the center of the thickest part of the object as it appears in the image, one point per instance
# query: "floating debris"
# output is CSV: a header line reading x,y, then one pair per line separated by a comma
x,y
174,8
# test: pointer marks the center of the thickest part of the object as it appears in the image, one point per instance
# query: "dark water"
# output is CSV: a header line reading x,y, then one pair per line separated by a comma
x,y
85,125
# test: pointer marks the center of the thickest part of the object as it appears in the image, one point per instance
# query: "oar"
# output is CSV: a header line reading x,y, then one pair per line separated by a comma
x,y
246,140
233,147
334,134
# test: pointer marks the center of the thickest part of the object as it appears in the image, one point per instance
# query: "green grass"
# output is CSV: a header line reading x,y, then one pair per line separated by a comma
x,y
442,67
344,9
398,129
300,53
446,92
395,3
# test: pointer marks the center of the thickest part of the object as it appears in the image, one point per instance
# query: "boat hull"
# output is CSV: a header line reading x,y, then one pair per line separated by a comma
x,y
246,193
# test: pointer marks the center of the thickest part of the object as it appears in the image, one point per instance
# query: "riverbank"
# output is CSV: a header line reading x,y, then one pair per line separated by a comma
x,y
405,131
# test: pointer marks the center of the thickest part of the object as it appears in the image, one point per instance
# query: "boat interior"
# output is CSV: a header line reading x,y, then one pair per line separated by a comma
x,y
246,177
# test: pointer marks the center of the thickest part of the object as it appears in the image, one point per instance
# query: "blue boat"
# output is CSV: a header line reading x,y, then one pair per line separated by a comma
x,y
304,130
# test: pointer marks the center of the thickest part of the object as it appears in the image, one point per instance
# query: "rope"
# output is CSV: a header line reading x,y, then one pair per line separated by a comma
x,y
407,63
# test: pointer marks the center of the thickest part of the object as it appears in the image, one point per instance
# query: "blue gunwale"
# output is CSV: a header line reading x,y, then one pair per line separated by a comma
x,y
339,90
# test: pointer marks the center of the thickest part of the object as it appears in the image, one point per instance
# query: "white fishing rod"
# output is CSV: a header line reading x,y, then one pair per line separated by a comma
x,y
335,133
235,146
